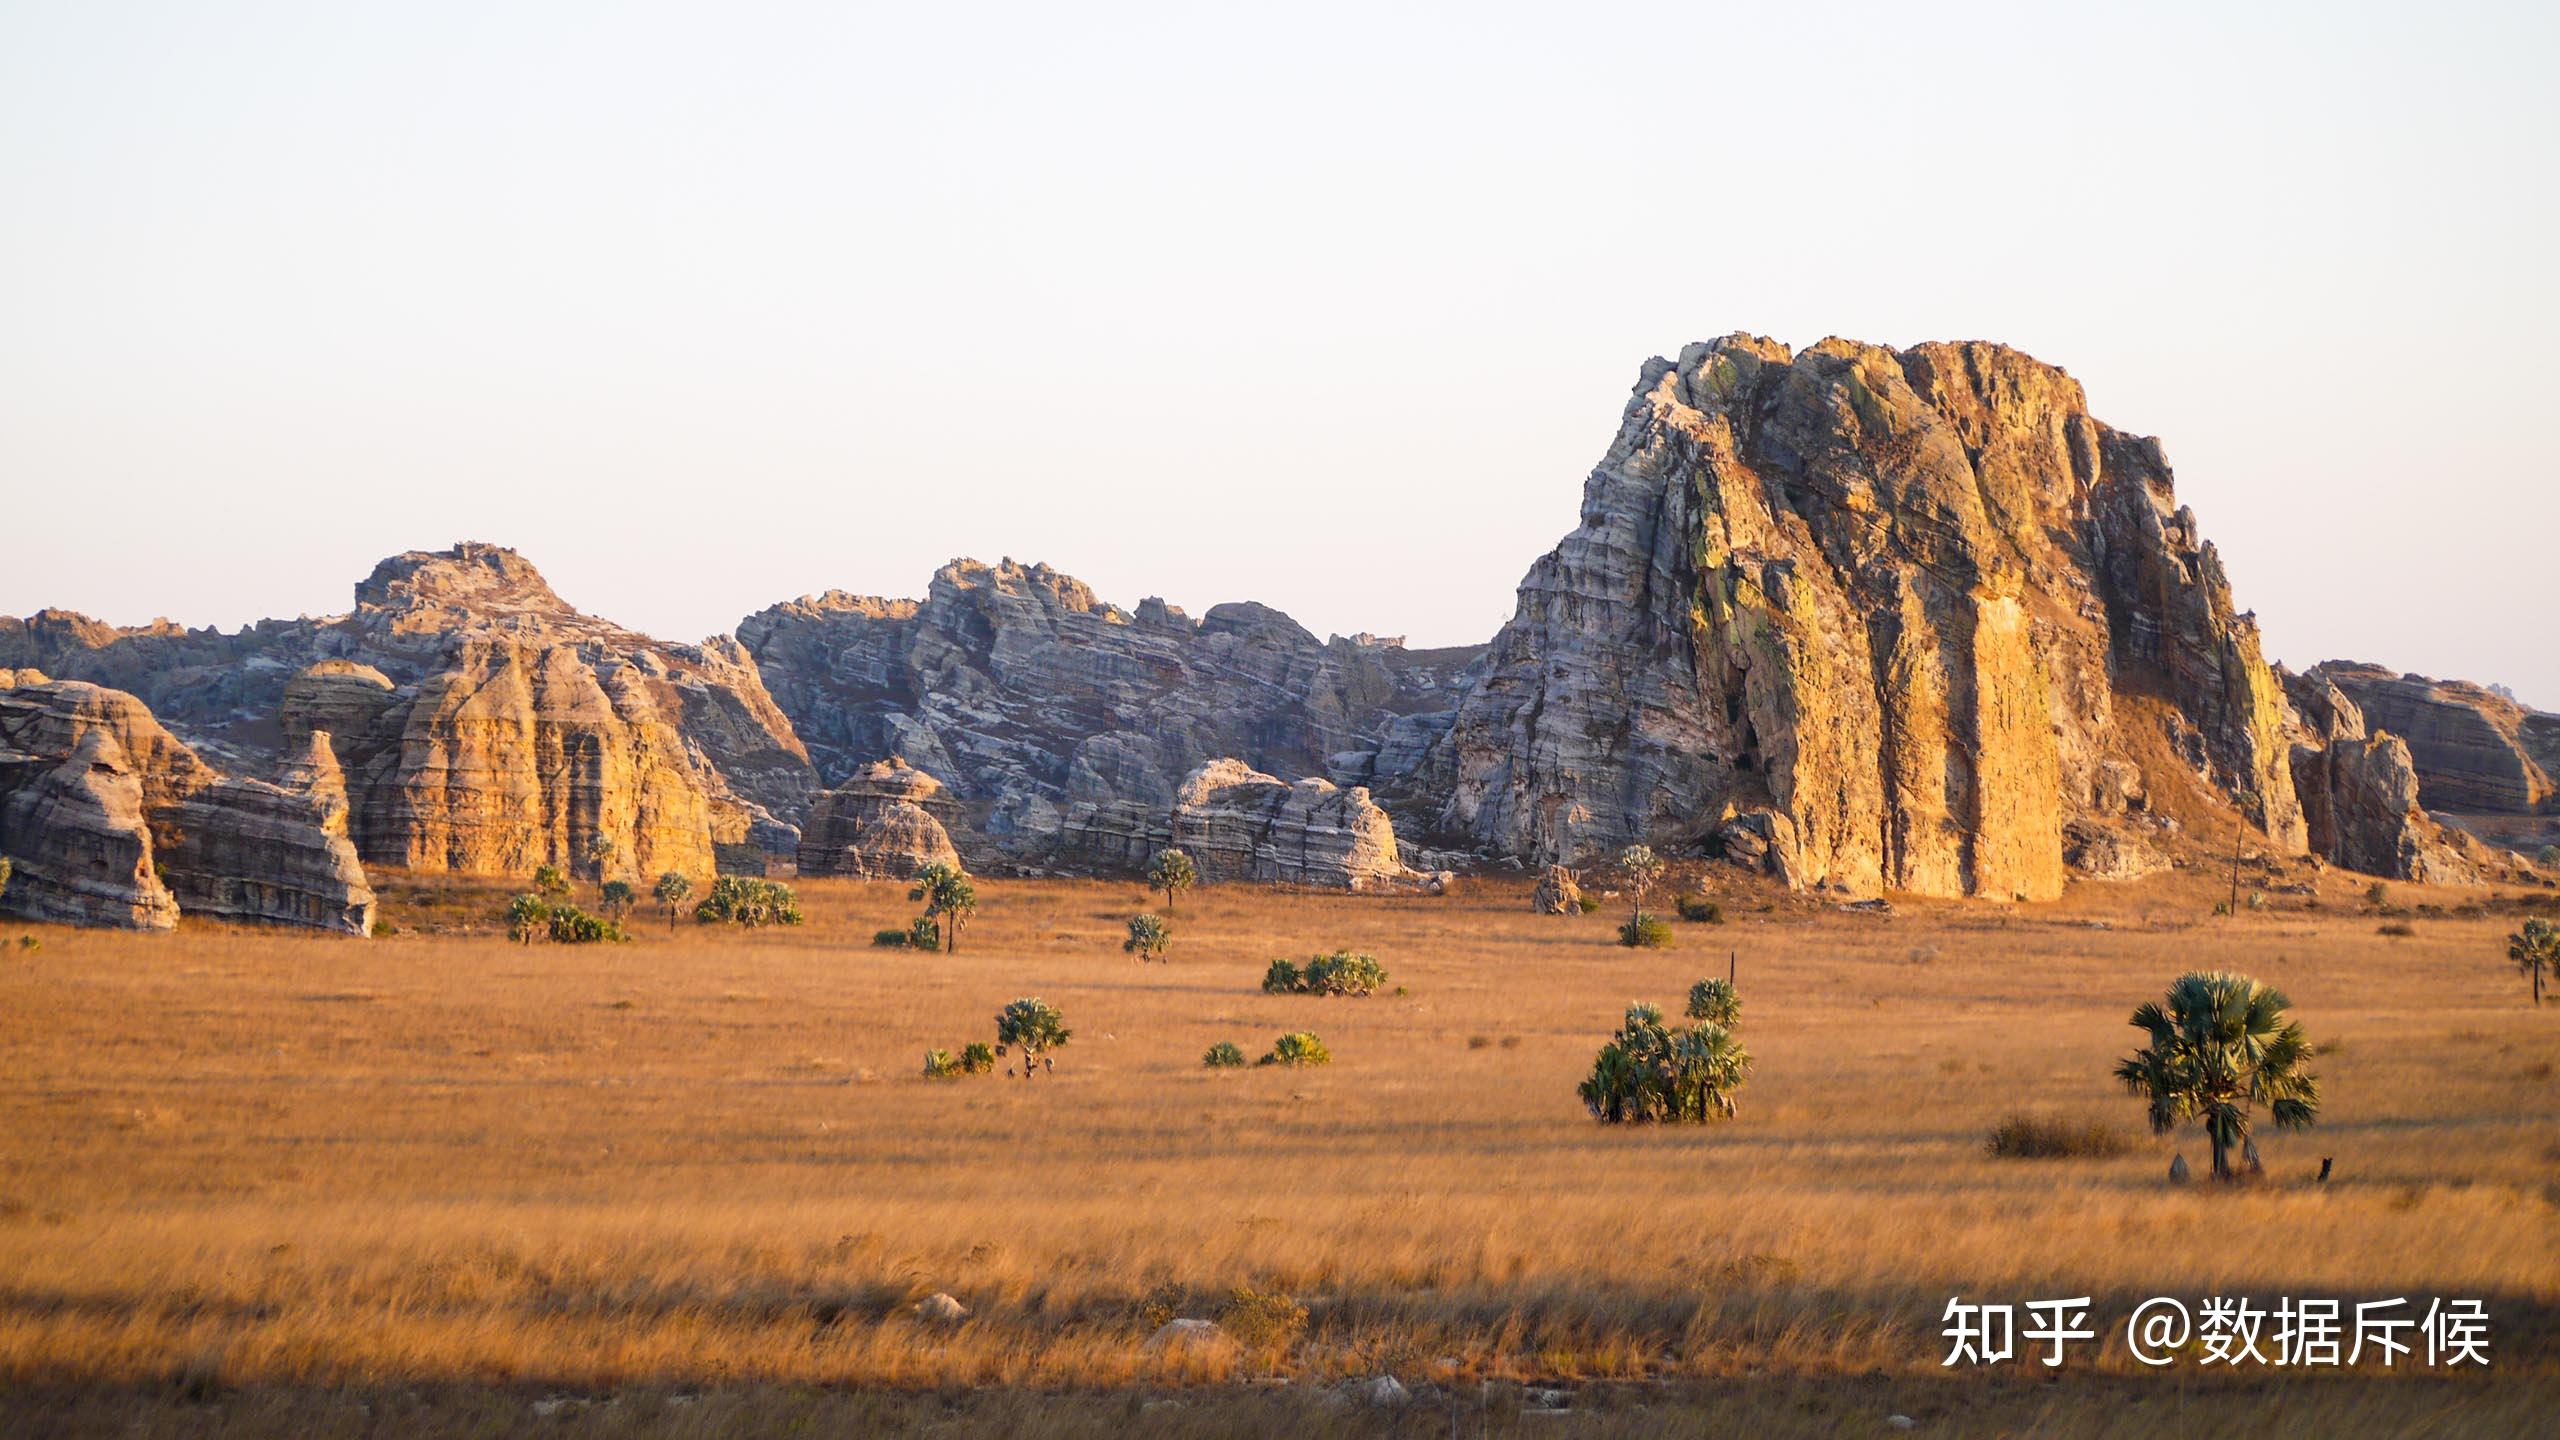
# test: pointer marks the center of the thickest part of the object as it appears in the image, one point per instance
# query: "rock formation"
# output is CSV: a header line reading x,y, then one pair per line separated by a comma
x,y
2360,793
877,826
1557,893
1867,612
110,819
2473,749
1033,700
483,723
1237,823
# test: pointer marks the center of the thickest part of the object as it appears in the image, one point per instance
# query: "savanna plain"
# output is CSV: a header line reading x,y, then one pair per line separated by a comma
x,y
443,1184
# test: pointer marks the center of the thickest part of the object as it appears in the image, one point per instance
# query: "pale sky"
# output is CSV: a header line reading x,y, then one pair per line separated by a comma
x,y
1329,306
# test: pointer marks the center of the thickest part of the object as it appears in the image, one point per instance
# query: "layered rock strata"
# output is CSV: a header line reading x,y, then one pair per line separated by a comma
x,y
877,826
1049,712
1864,613
2473,749
2361,793
109,819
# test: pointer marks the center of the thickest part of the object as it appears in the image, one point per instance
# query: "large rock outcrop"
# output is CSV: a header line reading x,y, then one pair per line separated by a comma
x,y
2360,792
877,826
109,819
483,723
2474,749
1870,610
1035,701
1237,823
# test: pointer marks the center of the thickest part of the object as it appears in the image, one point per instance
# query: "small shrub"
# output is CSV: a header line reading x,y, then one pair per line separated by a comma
x,y
925,934
2396,929
938,1065
2257,899
2377,895
1298,1047
1589,903
1263,1322
889,939
550,883
1148,937
615,898
382,929
29,944
746,900
1645,932
1699,910
1341,973
977,1057
573,926
2221,907
1479,1042
2042,1137
2548,857
528,917
1225,1055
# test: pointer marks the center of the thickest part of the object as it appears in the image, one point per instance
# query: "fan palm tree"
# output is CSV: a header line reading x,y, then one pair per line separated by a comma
x,y
2535,948
1643,867
949,897
1148,938
2222,1044
671,892
1172,872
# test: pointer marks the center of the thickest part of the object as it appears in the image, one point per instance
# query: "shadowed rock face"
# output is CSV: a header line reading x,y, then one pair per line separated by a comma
x,y
877,826
109,819
2473,749
1865,612
2360,793
483,723
1032,700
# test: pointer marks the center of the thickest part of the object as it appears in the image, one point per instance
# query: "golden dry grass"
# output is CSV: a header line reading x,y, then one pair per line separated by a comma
x,y
254,1165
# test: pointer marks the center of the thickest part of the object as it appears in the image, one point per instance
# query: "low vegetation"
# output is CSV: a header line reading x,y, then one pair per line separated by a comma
x,y
1297,1048
1148,938
1341,973
1225,1055
1699,910
748,901
1649,1072
2043,1137
1644,932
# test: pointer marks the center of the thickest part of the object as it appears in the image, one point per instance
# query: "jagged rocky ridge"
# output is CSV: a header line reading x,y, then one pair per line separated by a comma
x,y
1039,704
1869,619
108,819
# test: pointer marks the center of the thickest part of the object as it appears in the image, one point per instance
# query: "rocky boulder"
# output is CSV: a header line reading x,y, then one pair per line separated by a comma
x,y
2361,792
1237,823
1876,606
1557,892
877,826
110,819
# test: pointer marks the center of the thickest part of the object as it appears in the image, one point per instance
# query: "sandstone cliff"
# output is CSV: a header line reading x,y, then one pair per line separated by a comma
x,y
483,723
2360,793
2473,749
110,819
1031,698
1864,613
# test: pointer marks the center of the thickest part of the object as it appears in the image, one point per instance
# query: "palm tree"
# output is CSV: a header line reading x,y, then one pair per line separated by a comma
x,y
1148,938
1172,872
1643,867
672,891
600,851
1031,1025
2535,948
1649,1073
2221,1045
949,899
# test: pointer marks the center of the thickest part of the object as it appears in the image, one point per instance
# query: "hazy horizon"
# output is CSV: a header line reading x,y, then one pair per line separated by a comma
x,y
1334,311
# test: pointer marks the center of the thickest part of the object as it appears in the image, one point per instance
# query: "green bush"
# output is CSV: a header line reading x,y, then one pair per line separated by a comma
x,y
573,926
889,939
1148,937
1646,932
1715,1002
1589,904
745,900
1341,973
528,917
1225,1055
978,1057
2548,857
2039,1137
549,883
938,1065
1298,1047
1647,1073
924,934
1699,909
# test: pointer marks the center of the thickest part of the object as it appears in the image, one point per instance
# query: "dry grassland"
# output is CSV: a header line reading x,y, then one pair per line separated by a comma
x,y
254,1182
